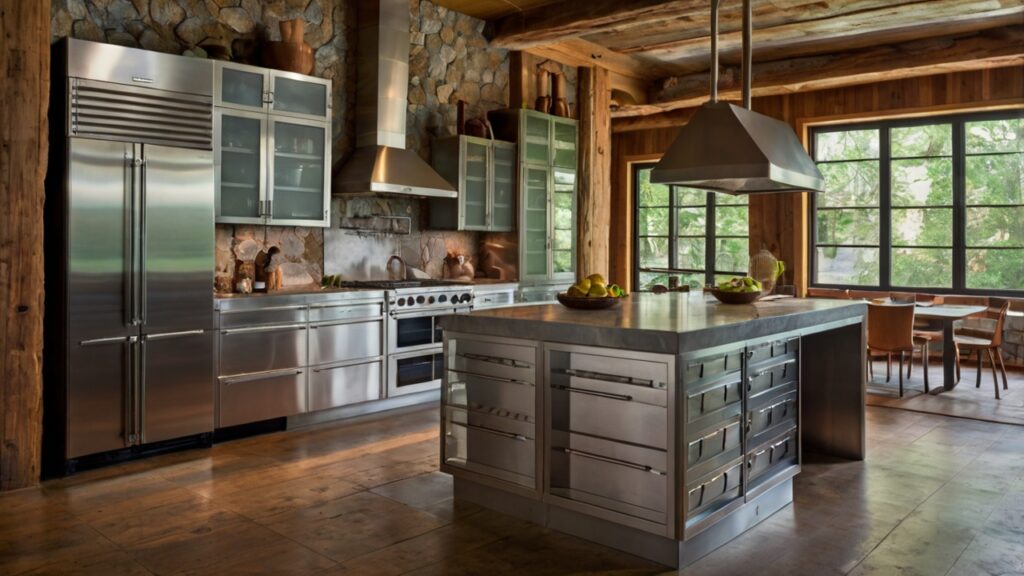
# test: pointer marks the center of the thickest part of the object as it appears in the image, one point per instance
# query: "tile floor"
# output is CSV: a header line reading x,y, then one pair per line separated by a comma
x,y
936,496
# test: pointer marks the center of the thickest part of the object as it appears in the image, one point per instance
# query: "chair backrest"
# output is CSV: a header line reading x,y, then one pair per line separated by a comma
x,y
997,336
890,327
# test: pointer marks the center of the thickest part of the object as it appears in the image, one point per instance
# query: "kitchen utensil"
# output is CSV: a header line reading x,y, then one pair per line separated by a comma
x,y
735,297
587,303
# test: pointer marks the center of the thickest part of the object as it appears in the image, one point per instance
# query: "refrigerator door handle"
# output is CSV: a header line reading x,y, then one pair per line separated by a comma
x,y
143,284
140,429
129,241
169,335
132,365
101,341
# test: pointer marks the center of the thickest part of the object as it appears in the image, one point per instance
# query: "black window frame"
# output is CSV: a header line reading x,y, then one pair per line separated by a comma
x,y
710,232
958,122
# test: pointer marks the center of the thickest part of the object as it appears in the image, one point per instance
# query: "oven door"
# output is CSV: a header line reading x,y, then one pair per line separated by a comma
x,y
409,332
416,371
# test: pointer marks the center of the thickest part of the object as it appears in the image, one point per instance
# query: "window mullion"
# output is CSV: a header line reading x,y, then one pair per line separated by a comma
x,y
959,206
673,229
709,239
885,209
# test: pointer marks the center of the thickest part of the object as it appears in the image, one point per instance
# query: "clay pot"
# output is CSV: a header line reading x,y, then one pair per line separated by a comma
x,y
291,54
543,103
559,107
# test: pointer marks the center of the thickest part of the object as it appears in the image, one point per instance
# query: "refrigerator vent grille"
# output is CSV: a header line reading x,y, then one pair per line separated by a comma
x,y
110,111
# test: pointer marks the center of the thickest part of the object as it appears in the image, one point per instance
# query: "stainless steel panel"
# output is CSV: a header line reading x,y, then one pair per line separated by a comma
x,y
616,369
524,356
250,350
711,366
493,395
771,378
333,386
490,445
724,439
773,458
100,243
252,398
329,311
715,490
265,316
177,390
497,299
714,396
134,67
472,363
579,407
329,343
177,239
99,410
773,349
780,411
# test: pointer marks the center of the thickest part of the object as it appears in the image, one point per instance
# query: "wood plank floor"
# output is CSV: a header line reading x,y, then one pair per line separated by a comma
x,y
964,401
936,496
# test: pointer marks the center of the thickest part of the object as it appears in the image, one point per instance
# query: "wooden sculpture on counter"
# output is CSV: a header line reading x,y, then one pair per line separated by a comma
x,y
457,267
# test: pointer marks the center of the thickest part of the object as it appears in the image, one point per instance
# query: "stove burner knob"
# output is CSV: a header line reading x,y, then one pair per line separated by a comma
x,y
465,298
442,298
420,299
401,301
430,300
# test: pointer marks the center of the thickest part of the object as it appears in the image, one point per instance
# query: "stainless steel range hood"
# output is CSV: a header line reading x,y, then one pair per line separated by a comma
x,y
733,149
380,164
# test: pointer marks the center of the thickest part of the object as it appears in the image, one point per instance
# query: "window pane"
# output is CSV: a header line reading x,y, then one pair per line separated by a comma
x,y
649,279
653,252
651,194
922,267
995,227
690,253
562,260
1005,135
847,226
563,240
731,221
995,179
996,269
690,196
922,227
922,182
849,184
847,266
846,145
653,221
732,255
692,221
933,140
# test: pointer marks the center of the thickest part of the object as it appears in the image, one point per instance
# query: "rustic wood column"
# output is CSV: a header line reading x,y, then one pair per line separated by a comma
x,y
593,103
24,97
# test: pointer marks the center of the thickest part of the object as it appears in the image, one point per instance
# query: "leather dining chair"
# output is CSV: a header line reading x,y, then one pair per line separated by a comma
x,y
992,346
891,331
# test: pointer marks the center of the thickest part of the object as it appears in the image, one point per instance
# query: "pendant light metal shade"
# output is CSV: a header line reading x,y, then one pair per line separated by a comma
x,y
732,149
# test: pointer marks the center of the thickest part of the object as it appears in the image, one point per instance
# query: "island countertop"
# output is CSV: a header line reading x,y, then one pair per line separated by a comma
x,y
667,323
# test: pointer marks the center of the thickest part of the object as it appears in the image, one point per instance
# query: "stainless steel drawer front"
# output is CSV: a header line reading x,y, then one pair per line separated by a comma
x,y
773,349
712,366
718,490
715,443
490,445
330,343
781,411
263,349
613,415
256,397
496,366
507,398
767,378
332,312
330,387
263,317
620,370
774,457
713,396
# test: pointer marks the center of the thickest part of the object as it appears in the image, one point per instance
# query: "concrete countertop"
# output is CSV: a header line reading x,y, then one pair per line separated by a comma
x,y
666,323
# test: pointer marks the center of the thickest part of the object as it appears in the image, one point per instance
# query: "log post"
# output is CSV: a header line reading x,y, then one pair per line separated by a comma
x,y
24,98
595,168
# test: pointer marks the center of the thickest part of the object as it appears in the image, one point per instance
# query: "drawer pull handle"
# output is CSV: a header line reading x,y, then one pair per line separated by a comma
x,y
259,376
489,377
494,360
502,433
609,395
263,329
641,467
614,378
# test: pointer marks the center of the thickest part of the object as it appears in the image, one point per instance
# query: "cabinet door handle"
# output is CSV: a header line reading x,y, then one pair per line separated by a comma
x,y
609,395
616,461
502,433
263,329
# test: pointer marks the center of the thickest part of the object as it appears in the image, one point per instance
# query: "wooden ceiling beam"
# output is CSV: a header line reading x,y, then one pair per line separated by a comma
x,y
578,52
989,49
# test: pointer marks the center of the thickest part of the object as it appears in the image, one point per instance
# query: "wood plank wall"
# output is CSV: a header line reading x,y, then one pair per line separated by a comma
x,y
24,97
779,221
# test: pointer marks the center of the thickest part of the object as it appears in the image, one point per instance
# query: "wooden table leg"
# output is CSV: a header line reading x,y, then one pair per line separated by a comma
x,y
948,357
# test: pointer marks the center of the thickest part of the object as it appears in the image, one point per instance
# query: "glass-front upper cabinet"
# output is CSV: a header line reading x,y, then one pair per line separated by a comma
x,y
475,161
301,158
273,146
535,229
503,204
563,223
483,171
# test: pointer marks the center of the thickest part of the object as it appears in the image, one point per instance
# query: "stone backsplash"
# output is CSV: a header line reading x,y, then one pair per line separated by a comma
x,y
301,250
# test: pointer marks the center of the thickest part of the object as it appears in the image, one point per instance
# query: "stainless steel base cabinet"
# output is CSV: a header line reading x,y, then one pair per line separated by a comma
x,y
334,386
177,395
254,397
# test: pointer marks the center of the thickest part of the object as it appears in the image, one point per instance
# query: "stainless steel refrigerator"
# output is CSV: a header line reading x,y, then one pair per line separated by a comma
x,y
129,249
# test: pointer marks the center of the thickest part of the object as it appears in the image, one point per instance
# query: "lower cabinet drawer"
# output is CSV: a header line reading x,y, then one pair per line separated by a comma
x,y
492,395
707,399
714,490
713,365
255,397
773,457
330,343
262,349
618,477
780,411
330,387
721,440
490,445
761,380
589,410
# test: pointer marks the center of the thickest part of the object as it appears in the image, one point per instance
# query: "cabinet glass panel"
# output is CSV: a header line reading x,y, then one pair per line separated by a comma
x,y
300,97
565,146
474,190
535,225
298,171
504,187
241,87
564,221
538,140
240,158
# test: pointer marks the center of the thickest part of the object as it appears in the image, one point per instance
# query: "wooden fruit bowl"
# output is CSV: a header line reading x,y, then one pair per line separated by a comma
x,y
735,297
587,303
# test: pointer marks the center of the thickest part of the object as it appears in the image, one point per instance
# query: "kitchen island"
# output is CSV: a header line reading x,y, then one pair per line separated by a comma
x,y
664,427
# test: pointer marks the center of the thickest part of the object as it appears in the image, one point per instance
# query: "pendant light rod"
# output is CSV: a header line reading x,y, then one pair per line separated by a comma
x,y
714,51
748,64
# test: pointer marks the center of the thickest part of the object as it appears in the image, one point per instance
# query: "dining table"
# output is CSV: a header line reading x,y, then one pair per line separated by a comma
x,y
946,315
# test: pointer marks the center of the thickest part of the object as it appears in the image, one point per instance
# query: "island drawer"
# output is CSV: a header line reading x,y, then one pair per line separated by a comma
x,y
773,457
773,349
721,442
715,399
329,343
703,368
619,477
490,445
641,374
506,361
610,411
765,378
714,490
781,411
490,394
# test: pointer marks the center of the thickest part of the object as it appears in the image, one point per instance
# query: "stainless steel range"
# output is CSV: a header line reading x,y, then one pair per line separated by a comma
x,y
415,355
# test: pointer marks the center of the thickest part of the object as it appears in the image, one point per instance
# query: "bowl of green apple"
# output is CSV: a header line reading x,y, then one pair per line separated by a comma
x,y
737,290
